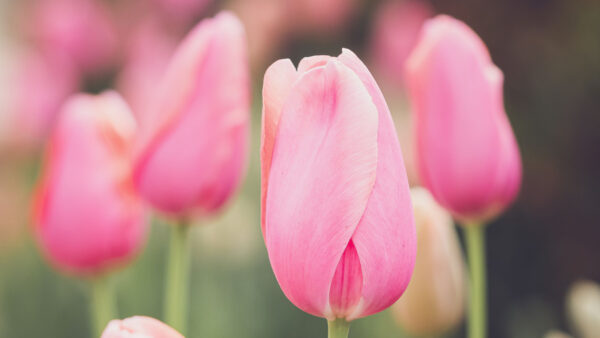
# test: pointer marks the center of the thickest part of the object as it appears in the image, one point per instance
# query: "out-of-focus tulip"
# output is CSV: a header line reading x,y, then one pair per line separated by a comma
x,y
149,51
583,308
395,33
87,216
82,30
337,217
139,327
434,301
467,154
193,153
41,84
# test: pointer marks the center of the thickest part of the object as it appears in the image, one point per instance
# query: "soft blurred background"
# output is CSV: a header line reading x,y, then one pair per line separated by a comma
x,y
549,51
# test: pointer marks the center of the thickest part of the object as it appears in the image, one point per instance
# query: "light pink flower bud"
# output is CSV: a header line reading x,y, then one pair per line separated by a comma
x,y
466,151
193,152
139,327
434,301
337,217
87,217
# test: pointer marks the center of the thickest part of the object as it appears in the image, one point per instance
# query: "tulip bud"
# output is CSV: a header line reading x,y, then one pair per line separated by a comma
x,y
467,154
193,152
583,308
138,327
434,301
337,218
87,216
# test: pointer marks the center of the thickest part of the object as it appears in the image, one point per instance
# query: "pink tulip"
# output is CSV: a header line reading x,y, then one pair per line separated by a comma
x,y
139,327
395,34
466,151
87,216
193,154
80,29
337,217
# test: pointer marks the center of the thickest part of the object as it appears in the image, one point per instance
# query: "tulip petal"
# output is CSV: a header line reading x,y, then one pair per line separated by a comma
x,y
346,287
278,81
210,132
385,239
322,173
139,326
311,62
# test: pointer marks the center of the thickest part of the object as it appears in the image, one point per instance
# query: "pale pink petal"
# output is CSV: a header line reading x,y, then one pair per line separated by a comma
x,y
278,81
385,239
347,283
322,173
139,327
310,62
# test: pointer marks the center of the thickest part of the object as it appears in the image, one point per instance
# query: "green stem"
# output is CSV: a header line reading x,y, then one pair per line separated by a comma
x,y
102,305
477,322
338,328
177,283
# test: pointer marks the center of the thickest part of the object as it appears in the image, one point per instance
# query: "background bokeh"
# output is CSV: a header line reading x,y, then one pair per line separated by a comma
x,y
549,51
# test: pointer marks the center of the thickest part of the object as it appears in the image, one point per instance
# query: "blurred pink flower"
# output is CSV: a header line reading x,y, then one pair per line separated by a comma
x,y
193,153
139,327
466,151
87,217
395,33
148,52
82,30
337,217
40,85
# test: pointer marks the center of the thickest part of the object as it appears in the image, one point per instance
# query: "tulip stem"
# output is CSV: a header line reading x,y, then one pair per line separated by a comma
x,y
102,305
475,239
177,283
338,328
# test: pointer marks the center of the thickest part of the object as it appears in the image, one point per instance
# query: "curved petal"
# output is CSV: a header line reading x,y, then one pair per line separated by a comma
x,y
310,62
199,159
385,239
278,81
346,287
322,173
139,326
